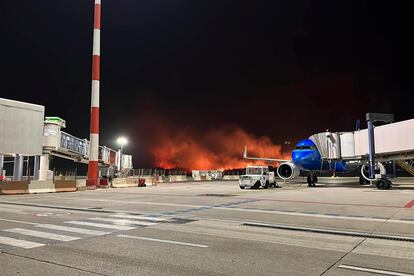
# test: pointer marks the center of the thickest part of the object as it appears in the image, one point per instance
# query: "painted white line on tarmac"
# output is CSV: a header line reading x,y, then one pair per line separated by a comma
x,y
142,202
371,270
164,241
19,243
44,235
124,221
138,217
101,225
400,221
73,229
316,215
18,221
302,214
7,210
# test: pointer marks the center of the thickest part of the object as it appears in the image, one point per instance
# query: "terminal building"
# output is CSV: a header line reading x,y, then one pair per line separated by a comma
x,y
26,134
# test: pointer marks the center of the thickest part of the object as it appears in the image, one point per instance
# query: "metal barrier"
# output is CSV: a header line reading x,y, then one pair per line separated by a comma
x,y
159,172
64,174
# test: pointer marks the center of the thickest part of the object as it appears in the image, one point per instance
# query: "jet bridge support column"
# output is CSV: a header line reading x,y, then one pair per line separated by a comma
x,y
382,183
44,172
36,167
18,167
371,149
1,165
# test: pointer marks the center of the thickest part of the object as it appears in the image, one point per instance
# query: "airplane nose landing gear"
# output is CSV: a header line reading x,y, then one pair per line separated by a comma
x,y
312,180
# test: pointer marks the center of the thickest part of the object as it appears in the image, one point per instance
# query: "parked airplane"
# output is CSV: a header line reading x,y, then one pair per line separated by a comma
x,y
348,151
306,157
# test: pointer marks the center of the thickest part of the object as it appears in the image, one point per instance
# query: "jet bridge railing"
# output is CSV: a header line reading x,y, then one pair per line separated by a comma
x,y
73,144
107,155
65,145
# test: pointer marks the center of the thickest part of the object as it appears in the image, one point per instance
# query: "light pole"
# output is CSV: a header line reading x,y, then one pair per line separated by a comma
x,y
121,141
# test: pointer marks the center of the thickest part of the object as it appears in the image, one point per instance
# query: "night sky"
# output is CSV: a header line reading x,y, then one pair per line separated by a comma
x,y
282,69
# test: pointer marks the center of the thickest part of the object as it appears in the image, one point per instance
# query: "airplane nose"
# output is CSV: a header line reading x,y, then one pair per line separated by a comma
x,y
295,156
300,156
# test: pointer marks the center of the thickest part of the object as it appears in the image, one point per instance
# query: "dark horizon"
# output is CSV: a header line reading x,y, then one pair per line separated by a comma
x,y
197,73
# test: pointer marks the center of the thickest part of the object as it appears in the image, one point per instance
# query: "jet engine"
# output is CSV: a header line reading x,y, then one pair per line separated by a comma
x,y
288,171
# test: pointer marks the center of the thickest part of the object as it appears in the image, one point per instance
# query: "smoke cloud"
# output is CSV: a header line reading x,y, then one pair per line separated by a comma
x,y
218,148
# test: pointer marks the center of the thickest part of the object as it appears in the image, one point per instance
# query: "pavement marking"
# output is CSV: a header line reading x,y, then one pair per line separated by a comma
x,y
19,243
124,221
330,231
377,271
394,250
328,203
39,234
6,210
43,214
139,217
73,229
230,208
317,241
331,216
101,225
18,221
139,202
164,241
410,204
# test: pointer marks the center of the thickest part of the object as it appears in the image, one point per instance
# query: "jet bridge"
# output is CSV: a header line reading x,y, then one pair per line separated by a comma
x,y
59,143
390,142
64,145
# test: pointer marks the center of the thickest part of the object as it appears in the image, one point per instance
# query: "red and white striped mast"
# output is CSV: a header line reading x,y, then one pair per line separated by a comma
x,y
93,175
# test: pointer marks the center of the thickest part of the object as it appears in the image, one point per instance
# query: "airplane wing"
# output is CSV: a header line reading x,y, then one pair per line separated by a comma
x,y
262,159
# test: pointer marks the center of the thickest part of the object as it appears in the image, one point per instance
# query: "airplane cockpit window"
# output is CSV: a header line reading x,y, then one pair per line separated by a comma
x,y
305,148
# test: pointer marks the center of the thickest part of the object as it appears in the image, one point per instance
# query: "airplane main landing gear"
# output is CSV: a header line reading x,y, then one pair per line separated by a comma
x,y
380,181
383,184
312,180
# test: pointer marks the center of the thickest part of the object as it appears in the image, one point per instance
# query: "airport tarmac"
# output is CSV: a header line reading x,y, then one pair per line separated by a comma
x,y
212,228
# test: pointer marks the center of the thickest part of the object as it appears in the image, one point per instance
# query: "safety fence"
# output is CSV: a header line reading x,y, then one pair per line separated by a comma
x,y
64,174
234,172
159,172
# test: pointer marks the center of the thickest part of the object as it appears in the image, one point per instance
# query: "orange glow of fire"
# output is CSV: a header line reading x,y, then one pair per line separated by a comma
x,y
215,149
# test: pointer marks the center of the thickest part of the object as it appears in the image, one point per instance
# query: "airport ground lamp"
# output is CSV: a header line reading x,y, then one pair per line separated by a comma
x,y
122,142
